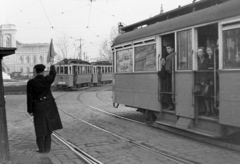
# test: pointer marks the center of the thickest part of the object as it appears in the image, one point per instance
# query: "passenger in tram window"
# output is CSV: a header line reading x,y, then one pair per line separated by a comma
x,y
165,96
202,80
170,59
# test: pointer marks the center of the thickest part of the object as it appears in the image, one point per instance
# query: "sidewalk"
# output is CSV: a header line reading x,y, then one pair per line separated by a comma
x,y
22,142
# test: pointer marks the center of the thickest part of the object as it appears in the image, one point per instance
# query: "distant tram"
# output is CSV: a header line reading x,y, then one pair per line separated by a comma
x,y
74,73
102,72
213,25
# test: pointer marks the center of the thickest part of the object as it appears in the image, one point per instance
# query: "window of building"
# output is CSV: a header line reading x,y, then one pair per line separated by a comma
x,y
124,60
34,60
184,49
28,59
21,59
231,49
41,59
145,58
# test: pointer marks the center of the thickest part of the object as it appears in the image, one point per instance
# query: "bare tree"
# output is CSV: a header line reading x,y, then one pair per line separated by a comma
x,y
65,48
105,51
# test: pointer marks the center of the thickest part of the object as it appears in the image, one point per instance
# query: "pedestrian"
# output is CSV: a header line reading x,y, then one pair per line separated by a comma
x,y
42,106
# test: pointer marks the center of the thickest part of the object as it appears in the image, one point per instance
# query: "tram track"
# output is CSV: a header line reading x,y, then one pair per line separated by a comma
x,y
168,156
87,158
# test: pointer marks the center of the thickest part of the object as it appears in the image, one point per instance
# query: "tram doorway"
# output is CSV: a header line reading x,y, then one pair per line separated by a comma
x,y
167,78
206,75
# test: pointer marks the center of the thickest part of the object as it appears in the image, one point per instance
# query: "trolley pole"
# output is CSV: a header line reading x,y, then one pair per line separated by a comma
x,y
4,146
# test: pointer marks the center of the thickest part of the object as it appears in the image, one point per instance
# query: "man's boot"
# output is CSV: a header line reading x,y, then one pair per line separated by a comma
x,y
40,144
47,143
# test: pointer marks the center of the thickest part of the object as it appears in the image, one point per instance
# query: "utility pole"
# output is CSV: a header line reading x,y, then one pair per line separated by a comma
x,y
80,48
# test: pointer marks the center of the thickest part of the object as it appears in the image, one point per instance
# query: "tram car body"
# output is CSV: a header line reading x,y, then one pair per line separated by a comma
x,y
73,73
101,72
136,63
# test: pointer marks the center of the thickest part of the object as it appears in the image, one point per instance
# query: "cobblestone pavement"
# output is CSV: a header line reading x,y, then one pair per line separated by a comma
x,y
22,138
96,143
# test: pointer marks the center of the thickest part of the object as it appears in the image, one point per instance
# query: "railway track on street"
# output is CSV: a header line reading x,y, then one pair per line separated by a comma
x,y
100,124
170,157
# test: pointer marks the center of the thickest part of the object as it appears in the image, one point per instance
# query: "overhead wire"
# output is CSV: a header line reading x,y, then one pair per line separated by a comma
x,y
54,15
101,13
46,14
89,13
12,16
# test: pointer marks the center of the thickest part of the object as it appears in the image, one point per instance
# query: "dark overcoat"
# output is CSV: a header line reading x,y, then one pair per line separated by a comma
x,y
41,103
166,85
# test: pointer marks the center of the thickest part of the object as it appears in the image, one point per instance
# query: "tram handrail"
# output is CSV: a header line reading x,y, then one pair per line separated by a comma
x,y
215,79
173,79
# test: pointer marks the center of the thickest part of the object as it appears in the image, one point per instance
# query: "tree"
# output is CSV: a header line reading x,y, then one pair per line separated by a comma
x,y
105,50
65,48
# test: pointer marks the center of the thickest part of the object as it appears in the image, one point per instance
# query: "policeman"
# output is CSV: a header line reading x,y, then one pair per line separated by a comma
x,y
42,106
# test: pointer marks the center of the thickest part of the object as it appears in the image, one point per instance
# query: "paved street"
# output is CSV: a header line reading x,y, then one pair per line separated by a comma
x,y
22,138
106,147
161,140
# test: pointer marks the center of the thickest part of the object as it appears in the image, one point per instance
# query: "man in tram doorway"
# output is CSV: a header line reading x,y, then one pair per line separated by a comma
x,y
42,106
170,71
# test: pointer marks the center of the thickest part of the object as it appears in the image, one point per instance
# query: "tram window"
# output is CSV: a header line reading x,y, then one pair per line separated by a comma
x,y
74,70
70,70
102,70
106,70
184,49
80,70
231,49
83,70
65,70
145,58
61,70
58,70
109,69
124,60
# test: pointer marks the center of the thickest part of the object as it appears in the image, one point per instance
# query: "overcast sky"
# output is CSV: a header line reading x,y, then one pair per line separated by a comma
x,y
37,21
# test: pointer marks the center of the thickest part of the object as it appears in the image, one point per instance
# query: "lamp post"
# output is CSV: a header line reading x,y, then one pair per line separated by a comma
x,y
4,146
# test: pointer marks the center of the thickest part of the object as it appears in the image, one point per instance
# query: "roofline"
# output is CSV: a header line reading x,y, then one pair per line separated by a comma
x,y
157,18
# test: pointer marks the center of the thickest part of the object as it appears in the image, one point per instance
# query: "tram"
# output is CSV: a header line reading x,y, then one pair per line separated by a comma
x,y
101,72
73,73
137,55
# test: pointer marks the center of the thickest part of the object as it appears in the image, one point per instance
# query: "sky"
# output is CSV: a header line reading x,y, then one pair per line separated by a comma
x,y
39,21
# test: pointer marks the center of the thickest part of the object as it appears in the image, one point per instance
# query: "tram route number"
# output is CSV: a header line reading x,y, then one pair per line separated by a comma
x,y
61,82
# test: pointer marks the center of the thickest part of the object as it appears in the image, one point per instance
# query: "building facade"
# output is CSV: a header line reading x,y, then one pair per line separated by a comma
x,y
26,55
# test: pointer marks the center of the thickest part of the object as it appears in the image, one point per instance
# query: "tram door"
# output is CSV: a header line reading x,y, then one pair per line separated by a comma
x,y
206,75
99,74
229,76
75,75
167,73
183,76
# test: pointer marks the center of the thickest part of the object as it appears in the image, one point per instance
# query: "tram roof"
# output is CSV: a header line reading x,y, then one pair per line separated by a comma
x,y
101,63
214,13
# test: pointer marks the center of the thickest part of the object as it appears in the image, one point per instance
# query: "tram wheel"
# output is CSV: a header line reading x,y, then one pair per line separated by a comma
x,y
149,116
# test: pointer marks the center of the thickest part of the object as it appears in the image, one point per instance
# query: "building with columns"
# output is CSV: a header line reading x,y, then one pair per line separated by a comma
x,y
26,55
